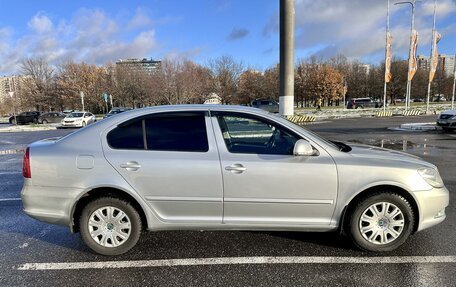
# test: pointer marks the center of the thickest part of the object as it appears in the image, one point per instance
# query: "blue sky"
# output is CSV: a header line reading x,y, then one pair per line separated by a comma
x,y
102,31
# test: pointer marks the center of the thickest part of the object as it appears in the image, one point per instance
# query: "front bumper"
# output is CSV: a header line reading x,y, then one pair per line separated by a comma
x,y
432,204
72,124
447,123
49,204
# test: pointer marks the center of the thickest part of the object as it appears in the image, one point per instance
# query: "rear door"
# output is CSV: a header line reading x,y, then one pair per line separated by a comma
x,y
171,160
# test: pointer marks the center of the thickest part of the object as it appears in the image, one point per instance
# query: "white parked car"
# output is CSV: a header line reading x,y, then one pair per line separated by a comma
x,y
78,119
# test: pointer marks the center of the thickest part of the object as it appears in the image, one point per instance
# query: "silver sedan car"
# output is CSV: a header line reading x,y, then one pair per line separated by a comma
x,y
211,167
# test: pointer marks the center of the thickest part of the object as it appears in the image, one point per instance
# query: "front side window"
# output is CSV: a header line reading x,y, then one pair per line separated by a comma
x,y
252,135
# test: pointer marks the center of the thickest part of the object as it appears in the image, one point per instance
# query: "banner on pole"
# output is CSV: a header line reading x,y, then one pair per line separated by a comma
x,y
412,57
434,56
388,58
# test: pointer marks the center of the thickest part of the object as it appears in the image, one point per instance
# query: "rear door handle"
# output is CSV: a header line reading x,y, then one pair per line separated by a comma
x,y
131,166
236,168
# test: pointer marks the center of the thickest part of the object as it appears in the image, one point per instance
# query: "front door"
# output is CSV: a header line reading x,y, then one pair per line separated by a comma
x,y
264,183
171,160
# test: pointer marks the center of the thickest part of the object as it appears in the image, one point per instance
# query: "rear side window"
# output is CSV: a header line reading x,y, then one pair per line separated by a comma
x,y
184,132
127,136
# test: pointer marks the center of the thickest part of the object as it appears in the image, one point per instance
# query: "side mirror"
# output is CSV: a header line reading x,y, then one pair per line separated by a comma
x,y
304,148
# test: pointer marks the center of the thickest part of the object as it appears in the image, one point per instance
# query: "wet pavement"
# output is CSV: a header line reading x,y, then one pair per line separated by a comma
x,y
25,240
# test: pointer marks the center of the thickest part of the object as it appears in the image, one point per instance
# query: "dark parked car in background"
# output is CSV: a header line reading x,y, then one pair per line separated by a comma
x,y
51,117
447,120
362,103
115,111
267,105
25,118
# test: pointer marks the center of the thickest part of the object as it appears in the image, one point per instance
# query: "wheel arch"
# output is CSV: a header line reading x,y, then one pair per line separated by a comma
x,y
374,189
99,192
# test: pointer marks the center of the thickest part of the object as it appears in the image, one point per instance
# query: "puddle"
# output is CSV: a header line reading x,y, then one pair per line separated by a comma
x,y
20,150
403,145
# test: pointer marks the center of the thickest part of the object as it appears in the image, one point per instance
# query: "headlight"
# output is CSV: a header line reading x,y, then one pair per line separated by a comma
x,y
431,176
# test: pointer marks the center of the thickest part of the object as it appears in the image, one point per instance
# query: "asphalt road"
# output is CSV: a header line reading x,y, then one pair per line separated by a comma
x,y
239,258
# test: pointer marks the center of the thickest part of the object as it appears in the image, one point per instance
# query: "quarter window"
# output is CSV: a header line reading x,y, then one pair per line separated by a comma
x,y
128,135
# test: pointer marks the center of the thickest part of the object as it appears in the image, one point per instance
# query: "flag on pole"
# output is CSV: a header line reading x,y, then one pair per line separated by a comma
x,y
413,62
388,58
434,56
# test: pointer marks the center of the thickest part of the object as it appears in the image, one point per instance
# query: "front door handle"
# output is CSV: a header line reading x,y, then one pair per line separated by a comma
x,y
236,168
131,166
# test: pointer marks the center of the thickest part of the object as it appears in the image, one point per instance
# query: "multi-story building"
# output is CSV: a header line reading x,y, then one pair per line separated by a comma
x,y
147,65
423,62
447,63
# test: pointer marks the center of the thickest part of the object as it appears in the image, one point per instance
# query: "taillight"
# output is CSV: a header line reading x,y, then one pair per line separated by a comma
x,y
26,172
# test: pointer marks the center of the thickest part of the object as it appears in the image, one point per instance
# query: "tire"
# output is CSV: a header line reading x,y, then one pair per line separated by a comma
x,y
384,236
84,124
109,241
44,122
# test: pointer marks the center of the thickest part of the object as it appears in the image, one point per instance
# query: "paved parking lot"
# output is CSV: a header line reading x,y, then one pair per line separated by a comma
x,y
34,253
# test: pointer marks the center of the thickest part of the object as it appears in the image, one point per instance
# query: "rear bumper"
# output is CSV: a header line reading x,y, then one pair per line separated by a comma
x,y
49,204
432,204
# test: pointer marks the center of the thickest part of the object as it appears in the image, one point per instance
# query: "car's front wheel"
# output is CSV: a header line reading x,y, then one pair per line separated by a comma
x,y
110,226
381,222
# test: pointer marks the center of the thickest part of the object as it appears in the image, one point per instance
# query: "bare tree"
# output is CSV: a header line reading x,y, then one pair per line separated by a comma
x,y
40,88
226,72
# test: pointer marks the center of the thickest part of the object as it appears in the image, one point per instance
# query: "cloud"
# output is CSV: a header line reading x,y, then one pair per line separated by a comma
x,y
40,23
356,28
238,33
90,35
139,20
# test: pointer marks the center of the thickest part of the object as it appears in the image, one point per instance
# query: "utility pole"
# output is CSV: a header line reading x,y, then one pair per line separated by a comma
x,y
409,80
431,59
286,94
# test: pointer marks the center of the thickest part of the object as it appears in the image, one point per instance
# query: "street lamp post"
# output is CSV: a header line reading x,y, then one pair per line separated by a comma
x,y
409,81
386,53
454,82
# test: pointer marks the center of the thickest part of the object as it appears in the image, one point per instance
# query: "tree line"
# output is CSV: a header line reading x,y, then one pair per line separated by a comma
x,y
47,87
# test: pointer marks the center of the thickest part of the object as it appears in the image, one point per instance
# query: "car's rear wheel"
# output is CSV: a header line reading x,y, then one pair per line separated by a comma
x,y
381,222
110,226
44,122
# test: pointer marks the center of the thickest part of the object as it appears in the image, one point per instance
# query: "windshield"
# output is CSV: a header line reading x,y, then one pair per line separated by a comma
x,y
76,115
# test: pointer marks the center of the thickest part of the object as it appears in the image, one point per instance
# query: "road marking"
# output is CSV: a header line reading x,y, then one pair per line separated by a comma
x,y
238,260
10,199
